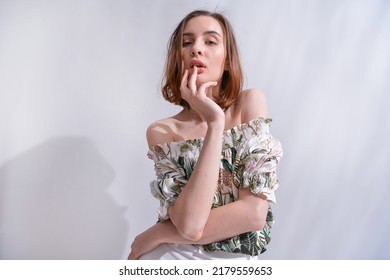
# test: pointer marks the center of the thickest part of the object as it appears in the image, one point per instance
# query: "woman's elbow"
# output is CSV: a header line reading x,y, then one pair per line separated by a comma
x,y
259,216
188,227
258,222
190,231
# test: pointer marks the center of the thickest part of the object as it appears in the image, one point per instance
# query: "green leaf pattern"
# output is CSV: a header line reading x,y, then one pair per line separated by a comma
x,y
249,159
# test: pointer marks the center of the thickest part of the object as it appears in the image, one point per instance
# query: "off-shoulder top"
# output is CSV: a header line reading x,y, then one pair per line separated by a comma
x,y
249,158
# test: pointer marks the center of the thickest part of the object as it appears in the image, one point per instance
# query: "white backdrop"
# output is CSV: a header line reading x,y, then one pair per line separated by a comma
x,y
79,84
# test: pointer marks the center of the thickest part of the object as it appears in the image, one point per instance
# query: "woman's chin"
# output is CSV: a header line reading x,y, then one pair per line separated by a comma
x,y
202,80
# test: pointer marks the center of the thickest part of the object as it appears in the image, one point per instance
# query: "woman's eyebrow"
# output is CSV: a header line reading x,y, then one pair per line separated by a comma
x,y
190,34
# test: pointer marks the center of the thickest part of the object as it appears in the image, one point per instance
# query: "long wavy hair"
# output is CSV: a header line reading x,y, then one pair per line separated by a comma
x,y
232,77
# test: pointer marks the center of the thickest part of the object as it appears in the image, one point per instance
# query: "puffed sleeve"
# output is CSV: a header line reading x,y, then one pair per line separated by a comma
x,y
257,162
173,165
167,184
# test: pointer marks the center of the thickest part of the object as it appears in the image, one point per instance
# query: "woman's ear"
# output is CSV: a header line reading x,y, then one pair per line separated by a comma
x,y
226,66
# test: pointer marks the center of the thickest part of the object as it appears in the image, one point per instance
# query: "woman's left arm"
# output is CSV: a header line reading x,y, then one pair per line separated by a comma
x,y
223,222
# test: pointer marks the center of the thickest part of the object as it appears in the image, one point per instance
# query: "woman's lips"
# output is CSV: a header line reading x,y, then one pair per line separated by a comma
x,y
197,63
200,70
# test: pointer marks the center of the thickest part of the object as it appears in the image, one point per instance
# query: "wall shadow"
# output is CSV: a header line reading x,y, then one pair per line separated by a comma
x,y
55,204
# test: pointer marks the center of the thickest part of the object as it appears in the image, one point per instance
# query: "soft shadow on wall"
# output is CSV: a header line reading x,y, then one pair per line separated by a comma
x,y
54,204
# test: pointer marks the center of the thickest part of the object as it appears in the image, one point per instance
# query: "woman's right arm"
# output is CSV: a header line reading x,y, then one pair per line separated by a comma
x,y
192,207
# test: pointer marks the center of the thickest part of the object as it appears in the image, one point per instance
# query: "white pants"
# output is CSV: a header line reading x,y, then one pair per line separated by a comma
x,y
190,252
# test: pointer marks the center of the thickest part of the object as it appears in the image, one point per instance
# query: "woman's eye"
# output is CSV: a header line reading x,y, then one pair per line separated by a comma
x,y
210,43
186,43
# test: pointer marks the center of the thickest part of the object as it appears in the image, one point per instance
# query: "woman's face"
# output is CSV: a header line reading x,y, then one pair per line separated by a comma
x,y
203,46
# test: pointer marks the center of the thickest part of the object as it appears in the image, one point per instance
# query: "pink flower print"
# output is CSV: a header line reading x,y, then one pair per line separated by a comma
x,y
251,165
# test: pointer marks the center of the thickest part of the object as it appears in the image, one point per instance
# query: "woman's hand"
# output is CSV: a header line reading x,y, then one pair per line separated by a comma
x,y
143,243
199,99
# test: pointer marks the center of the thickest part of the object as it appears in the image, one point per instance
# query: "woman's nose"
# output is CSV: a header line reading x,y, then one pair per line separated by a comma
x,y
196,49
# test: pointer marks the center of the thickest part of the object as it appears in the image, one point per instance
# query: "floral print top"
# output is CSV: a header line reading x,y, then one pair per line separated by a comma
x,y
250,155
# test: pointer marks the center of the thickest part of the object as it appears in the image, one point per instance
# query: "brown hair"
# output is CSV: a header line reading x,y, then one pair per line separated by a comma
x,y
231,84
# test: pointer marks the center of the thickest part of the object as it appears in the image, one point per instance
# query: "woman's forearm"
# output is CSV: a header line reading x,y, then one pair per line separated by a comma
x,y
192,207
244,215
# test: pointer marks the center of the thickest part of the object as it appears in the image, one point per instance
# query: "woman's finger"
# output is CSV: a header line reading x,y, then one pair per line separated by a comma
x,y
132,257
204,86
184,80
183,86
192,80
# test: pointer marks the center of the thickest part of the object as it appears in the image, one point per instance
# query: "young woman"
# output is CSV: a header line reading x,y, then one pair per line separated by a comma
x,y
215,160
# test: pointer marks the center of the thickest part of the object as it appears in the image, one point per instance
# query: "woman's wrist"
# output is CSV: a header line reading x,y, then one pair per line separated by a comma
x,y
216,126
164,232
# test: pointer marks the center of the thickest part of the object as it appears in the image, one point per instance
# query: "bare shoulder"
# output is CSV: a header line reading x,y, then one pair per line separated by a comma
x,y
252,104
160,131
